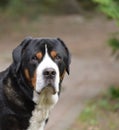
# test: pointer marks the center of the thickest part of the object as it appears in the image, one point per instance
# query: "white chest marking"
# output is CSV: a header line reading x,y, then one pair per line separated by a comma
x,y
45,102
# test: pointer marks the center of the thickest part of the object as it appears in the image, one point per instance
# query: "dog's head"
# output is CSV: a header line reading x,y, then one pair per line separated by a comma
x,y
42,62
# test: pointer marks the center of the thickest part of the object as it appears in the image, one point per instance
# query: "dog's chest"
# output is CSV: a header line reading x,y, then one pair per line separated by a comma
x,y
42,110
39,115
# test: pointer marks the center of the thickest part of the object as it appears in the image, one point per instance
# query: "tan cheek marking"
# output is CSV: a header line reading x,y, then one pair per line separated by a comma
x,y
53,54
39,55
33,80
27,74
62,76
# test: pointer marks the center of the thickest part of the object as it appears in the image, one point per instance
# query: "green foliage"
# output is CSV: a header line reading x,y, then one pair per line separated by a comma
x,y
88,115
114,92
46,6
114,44
87,4
100,113
16,7
26,8
109,7
3,3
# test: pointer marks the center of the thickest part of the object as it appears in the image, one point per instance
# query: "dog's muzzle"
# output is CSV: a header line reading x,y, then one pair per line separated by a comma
x,y
49,75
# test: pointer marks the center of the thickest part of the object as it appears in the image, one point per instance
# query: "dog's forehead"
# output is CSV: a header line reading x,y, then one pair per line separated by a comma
x,y
40,45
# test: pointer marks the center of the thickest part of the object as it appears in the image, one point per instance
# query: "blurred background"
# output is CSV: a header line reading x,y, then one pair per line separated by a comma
x,y
90,94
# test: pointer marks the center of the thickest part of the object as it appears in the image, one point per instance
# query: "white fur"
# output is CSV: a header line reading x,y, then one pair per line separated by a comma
x,y
47,62
46,100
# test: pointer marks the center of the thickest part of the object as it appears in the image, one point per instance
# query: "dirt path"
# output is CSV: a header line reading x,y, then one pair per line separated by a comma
x,y
92,70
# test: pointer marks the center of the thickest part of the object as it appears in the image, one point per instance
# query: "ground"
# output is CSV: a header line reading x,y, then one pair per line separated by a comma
x,y
92,69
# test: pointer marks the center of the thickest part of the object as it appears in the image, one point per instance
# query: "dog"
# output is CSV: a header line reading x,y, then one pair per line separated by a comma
x,y
31,85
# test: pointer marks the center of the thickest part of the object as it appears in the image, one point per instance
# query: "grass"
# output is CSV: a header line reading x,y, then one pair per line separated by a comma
x,y
101,113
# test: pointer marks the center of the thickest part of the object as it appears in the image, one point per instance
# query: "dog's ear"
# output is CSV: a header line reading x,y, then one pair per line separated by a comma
x,y
17,52
68,59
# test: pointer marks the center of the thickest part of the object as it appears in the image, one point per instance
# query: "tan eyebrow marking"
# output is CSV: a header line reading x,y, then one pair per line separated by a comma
x,y
39,55
53,54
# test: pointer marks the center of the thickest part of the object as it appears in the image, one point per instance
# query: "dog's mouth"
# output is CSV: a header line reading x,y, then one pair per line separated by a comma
x,y
49,86
48,90
49,82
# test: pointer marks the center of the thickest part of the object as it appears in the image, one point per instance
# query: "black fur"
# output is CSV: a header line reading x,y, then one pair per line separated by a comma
x,y
16,92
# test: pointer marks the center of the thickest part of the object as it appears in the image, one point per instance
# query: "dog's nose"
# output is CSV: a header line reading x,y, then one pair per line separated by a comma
x,y
49,73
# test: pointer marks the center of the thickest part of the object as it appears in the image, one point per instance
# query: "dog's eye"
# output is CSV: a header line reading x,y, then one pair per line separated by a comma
x,y
34,59
58,58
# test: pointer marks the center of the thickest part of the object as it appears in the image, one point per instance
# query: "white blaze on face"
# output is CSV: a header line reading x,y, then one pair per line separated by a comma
x,y
47,62
46,100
